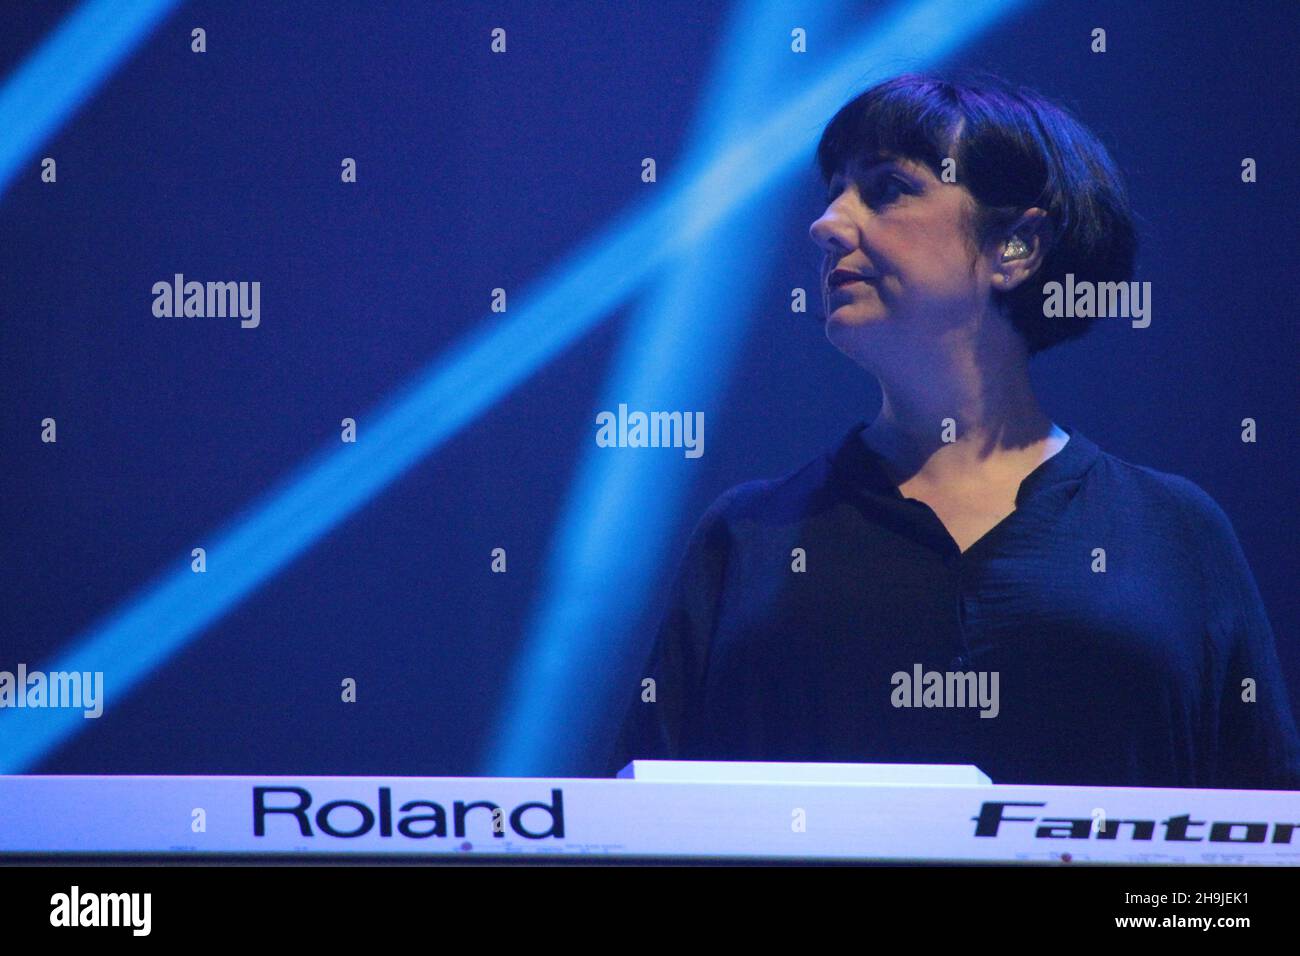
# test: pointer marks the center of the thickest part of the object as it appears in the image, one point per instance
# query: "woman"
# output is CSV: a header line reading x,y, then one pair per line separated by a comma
x,y
964,581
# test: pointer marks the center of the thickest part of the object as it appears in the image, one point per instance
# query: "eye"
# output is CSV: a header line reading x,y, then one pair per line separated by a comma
x,y
881,189
885,189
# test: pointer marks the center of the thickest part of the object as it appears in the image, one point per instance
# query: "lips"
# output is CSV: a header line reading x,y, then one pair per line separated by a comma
x,y
843,276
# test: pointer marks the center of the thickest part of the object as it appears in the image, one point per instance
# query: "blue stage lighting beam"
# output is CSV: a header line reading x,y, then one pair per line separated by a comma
x,y
621,508
65,70
566,303
677,354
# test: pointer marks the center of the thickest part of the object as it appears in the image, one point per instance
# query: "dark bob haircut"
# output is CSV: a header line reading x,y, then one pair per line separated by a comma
x,y
1013,150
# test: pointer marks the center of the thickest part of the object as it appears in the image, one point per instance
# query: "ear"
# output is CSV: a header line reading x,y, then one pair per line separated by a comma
x,y
1019,252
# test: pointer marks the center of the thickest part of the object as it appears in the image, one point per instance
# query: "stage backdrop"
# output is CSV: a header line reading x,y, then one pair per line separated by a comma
x,y
470,228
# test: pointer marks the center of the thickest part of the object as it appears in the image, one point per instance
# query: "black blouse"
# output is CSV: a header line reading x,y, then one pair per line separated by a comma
x,y
1114,607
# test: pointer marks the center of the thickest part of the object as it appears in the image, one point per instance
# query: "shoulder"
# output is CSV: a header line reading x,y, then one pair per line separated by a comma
x,y
1176,503
779,500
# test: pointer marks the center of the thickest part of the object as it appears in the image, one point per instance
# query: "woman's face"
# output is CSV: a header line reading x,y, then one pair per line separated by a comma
x,y
906,233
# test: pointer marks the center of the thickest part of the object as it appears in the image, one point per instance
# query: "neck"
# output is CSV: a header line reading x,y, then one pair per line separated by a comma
x,y
997,426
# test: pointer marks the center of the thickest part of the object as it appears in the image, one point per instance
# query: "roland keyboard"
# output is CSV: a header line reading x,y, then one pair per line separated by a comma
x,y
657,810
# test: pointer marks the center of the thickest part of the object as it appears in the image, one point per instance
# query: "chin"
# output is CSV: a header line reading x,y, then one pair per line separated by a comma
x,y
849,318
856,334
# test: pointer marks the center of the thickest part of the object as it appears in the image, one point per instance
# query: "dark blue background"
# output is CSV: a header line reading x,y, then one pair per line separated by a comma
x,y
478,171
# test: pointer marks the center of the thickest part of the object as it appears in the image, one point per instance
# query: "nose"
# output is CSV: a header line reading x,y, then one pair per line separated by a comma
x,y
833,232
